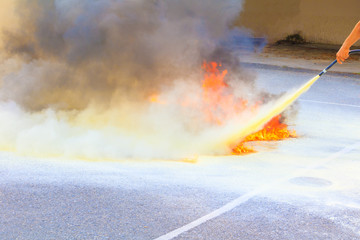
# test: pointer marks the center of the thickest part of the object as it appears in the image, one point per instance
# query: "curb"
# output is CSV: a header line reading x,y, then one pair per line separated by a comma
x,y
297,69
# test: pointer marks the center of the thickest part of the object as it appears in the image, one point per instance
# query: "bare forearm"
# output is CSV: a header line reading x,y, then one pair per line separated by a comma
x,y
353,37
343,52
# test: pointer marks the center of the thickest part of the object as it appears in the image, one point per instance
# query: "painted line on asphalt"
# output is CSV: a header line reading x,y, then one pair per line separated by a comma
x,y
330,103
247,196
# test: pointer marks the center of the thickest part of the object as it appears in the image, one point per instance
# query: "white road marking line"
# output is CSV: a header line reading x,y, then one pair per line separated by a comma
x,y
330,103
247,196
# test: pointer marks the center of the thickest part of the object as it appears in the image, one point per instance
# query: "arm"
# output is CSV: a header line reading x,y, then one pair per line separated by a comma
x,y
354,36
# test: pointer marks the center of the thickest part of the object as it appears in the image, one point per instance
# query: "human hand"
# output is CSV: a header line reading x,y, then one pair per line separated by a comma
x,y
342,54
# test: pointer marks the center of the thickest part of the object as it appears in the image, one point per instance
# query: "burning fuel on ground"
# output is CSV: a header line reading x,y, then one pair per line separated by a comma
x,y
131,79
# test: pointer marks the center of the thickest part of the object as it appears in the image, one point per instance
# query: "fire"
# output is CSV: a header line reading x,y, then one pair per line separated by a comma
x,y
274,130
214,78
219,105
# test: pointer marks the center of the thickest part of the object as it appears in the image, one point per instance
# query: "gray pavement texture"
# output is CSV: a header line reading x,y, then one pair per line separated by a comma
x,y
318,199
51,211
265,219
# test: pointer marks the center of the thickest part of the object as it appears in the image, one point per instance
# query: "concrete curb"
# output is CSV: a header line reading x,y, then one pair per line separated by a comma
x,y
297,69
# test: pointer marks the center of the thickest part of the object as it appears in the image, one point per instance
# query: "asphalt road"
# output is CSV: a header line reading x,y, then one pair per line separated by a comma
x,y
304,188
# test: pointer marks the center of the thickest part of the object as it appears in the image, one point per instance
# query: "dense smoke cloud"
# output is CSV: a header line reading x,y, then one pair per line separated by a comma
x,y
114,79
78,52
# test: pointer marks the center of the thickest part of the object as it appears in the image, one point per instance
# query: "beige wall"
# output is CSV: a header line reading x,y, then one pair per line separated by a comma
x,y
320,21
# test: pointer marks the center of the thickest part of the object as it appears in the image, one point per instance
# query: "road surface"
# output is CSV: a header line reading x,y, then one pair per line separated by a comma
x,y
304,188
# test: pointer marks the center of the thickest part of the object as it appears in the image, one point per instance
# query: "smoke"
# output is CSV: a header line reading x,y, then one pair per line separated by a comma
x,y
92,50
77,76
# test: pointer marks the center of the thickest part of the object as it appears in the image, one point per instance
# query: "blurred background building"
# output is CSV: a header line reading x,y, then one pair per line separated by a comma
x,y
317,21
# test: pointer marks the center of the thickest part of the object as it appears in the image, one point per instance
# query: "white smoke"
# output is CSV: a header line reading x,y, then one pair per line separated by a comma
x,y
79,75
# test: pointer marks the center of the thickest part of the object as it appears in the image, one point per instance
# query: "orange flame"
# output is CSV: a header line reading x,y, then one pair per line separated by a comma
x,y
219,105
274,130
